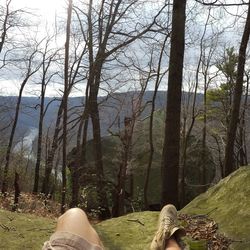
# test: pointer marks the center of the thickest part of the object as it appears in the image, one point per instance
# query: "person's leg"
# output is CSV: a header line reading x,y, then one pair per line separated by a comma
x,y
168,230
171,244
75,221
74,231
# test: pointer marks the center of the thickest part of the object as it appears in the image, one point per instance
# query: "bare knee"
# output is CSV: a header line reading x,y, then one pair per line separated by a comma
x,y
76,221
73,213
73,219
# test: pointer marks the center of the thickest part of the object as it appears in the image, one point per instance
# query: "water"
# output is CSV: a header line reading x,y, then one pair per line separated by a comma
x,y
27,141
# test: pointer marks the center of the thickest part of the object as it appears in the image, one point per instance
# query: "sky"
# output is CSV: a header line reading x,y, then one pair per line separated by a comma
x,y
46,8
46,11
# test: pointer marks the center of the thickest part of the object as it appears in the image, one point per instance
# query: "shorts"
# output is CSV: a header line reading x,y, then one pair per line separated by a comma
x,y
69,241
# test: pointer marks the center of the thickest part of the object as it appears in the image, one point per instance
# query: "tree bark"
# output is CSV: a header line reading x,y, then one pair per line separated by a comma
x,y
40,136
242,154
52,152
97,146
170,156
65,107
126,140
4,28
229,160
114,13
151,122
80,161
204,144
8,152
13,130
17,191
182,174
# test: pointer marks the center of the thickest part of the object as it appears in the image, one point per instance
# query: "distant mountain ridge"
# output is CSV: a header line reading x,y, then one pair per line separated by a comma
x,y
117,104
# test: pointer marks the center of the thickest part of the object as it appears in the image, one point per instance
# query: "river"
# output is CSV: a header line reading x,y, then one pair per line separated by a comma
x,y
27,141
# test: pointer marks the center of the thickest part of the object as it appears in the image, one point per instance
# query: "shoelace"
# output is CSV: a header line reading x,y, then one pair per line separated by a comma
x,y
167,223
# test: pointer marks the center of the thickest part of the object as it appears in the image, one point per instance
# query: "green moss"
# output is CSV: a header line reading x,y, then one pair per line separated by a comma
x,y
133,231
23,231
196,244
228,204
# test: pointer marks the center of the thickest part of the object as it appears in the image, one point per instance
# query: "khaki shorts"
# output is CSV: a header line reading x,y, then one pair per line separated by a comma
x,y
68,241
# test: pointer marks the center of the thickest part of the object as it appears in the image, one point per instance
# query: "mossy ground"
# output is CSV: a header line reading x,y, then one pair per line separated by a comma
x,y
133,231
228,203
23,231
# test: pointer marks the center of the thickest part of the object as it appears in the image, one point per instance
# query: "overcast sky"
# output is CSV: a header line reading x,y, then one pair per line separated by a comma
x,y
47,10
44,11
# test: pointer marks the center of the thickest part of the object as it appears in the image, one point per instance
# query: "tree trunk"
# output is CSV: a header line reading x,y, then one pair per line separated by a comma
x,y
126,139
242,130
115,14
79,162
182,168
52,152
151,122
101,193
17,191
204,144
151,154
229,161
170,156
119,202
40,136
4,27
12,134
65,107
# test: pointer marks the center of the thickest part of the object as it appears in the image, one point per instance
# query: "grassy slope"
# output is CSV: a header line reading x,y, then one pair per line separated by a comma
x,y
23,231
228,203
133,231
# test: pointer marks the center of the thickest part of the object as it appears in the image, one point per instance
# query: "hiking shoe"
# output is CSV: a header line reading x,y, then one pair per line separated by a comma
x,y
168,227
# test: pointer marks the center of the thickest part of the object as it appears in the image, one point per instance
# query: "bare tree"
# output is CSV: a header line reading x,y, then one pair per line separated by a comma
x,y
219,3
158,79
242,146
48,56
7,21
107,36
229,161
31,69
74,77
170,155
65,105
77,166
188,127
126,138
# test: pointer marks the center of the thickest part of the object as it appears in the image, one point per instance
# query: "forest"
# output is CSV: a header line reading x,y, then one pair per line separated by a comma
x,y
122,105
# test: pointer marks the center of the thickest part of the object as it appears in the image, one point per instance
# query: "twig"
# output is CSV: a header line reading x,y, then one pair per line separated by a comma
x,y
137,221
10,218
39,229
212,210
239,241
203,215
6,228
